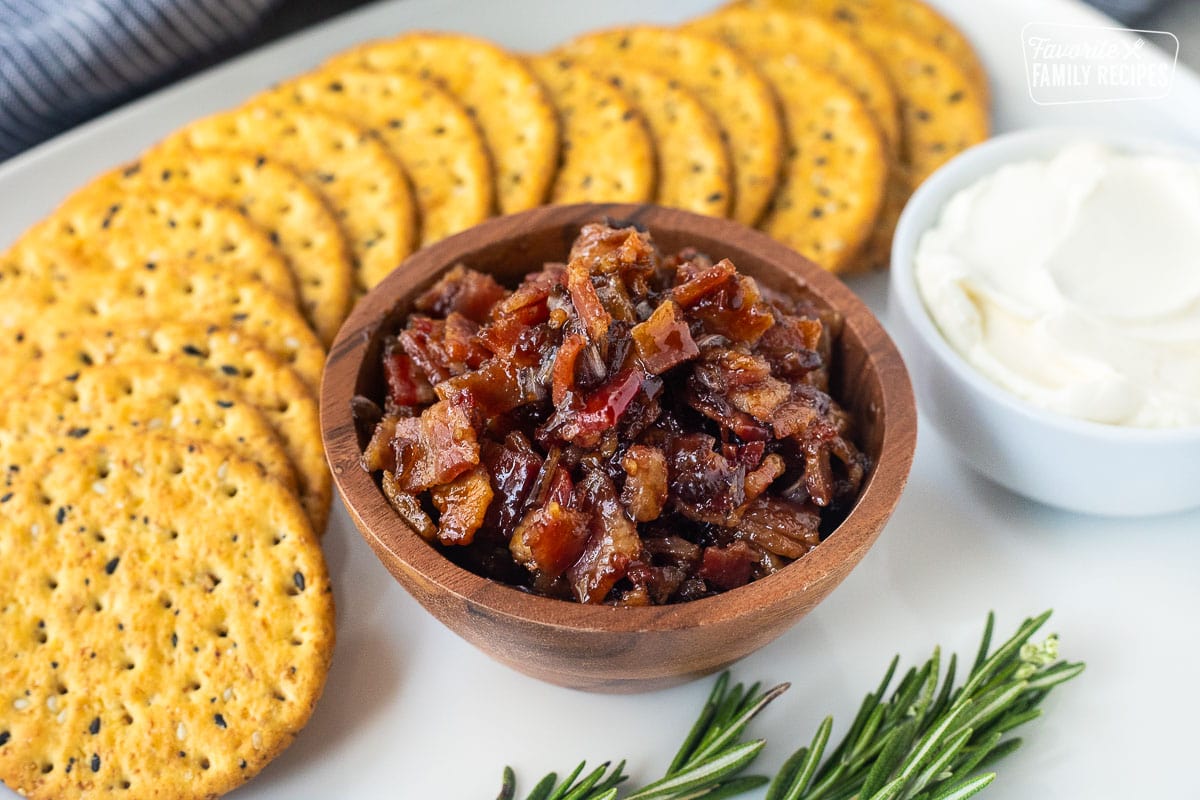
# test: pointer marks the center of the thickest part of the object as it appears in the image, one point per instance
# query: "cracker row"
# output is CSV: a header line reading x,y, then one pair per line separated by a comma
x,y
607,154
763,31
514,113
357,176
833,179
914,17
425,128
942,111
694,166
275,198
235,360
68,292
136,397
129,228
732,89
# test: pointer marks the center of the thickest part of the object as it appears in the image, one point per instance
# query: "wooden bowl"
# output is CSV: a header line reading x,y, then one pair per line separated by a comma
x,y
602,648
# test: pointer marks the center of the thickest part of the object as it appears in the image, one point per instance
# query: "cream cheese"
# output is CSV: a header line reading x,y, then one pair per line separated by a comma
x,y
1075,283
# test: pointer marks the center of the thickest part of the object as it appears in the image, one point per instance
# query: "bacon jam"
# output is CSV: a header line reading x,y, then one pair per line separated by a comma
x,y
623,428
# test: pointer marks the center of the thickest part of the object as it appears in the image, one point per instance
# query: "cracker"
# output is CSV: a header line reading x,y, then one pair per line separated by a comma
x,y
911,16
277,200
758,31
362,182
167,622
694,169
129,228
130,398
66,293
833,179
942,113
607,154
876,252
513,111
730,87
234,360
425,128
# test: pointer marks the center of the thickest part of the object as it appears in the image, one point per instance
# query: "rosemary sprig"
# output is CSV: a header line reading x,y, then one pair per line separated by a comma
x,y
596,785
930,740
707,764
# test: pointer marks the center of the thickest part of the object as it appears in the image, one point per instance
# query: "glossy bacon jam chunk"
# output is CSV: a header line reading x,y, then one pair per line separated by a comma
x,y
623,428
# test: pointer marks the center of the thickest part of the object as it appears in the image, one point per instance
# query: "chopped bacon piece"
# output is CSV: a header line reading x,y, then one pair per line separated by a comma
x,y
421,342
434,448
496,388
504,335
536,289
407,385
735,310
767,473
564,367
408,507
463,504
461,345
663,341
562,488
706,487
706,282
379,453
782,527
805,406
750,454
645,491
743,380
550,539
760,400
599,413
465,291
514,467
613,541
591,311
728,567
606,249
724,368
791,347
718,409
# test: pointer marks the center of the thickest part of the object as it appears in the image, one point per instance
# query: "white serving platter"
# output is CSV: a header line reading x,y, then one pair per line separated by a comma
x,y
411,711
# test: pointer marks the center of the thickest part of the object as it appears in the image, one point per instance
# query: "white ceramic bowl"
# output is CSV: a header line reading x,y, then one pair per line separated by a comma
x,y
1073,464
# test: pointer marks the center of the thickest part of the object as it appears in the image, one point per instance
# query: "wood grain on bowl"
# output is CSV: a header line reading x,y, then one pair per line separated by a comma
x,y
602,648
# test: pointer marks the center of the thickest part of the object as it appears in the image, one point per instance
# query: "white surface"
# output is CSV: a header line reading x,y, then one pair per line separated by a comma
x,y
411,711
997,432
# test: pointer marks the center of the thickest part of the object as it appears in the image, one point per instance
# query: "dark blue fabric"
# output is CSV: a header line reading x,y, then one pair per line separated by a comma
x,y
63,61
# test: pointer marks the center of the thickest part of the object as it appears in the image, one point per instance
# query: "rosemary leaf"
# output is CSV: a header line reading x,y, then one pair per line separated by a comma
x,y
786,777
963,790
702,724
704,773
508,785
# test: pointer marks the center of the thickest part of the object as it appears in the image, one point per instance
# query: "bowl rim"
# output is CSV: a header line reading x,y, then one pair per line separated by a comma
x,y
962,170
361,495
